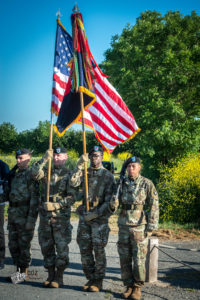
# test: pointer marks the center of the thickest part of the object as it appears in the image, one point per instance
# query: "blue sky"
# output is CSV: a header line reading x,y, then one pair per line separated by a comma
x,y
27,46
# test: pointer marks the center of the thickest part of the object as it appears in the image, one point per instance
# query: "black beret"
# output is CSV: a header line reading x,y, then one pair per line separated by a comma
x,y
133,159
59,150
23,151
96,149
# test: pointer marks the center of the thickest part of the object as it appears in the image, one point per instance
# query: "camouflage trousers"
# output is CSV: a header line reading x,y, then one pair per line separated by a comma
x,y
19,243
92,237
132,249
55,234
2,236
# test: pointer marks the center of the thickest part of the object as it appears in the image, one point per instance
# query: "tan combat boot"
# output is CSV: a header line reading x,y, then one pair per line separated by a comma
x,y
87,285
51,274
136,294
128,292
96,286
58,279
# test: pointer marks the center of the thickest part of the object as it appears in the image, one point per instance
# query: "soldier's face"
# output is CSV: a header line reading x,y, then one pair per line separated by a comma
x,y
23,161
96,159
133,170
59,159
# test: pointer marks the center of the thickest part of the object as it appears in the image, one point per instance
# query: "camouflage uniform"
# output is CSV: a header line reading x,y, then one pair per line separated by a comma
x,y
4,170
55,228
92,236
22,212
139,214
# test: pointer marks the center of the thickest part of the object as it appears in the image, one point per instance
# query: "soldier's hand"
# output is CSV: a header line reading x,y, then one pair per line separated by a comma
x,y
50,206
82,160
29,226
90,216
80,210
114,203
48,154
69,200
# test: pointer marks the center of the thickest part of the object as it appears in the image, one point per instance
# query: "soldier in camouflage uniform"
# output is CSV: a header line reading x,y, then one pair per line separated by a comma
x,y
138,200
4,170
93,229
55,229
22,212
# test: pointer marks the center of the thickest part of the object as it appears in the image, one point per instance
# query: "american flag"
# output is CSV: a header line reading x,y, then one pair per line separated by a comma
x,y
109,117
63,54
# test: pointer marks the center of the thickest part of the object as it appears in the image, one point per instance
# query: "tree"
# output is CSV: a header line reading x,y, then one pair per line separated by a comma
x,y
155,67
8,138
38,139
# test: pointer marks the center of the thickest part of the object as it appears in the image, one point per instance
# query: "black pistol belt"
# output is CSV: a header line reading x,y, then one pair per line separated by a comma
x,y
51,198
132,206
18,204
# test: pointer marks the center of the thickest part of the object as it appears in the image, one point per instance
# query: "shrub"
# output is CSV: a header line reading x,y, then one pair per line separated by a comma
x,y
9,159
106,156
124,155
179,190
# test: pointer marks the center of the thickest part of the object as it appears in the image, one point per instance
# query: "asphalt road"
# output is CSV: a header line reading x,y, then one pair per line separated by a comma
x,y
175,281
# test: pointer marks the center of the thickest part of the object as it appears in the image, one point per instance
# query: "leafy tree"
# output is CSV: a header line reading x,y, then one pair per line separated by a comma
x,y
26,139
155,65
38,139
8,138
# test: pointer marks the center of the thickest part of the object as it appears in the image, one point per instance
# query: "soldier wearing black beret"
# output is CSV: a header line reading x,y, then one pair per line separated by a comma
x,y
93,229
55,229
139,214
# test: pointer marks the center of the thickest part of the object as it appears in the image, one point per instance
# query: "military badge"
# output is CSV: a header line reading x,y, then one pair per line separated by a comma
x,y
133,159
58,150
18,152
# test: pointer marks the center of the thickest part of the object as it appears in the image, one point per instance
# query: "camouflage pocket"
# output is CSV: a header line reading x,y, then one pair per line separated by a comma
x,y
138,233
104,233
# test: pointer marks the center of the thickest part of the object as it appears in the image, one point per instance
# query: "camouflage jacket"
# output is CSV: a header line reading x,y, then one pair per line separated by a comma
x,y
23,198
100,188
139,203
60,191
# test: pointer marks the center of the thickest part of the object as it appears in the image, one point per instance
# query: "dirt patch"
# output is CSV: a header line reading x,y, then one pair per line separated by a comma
x,y
177,234
164,234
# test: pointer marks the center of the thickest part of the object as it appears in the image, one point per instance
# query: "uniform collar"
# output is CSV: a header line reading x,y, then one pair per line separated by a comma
x,y
59,167
22,170
101,167
135,180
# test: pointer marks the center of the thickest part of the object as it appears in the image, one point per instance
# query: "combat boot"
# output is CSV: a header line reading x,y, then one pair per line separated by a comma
x,y
96,286
136,294
50,278
128,292
58,279
87,285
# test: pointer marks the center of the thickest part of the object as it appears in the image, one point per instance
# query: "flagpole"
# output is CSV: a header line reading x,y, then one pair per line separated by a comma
x,y
58,14
76,11
49,160
84,152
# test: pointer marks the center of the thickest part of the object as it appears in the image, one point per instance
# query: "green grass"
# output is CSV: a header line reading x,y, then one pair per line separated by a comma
x,y
177,226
